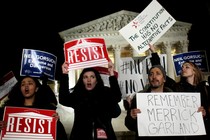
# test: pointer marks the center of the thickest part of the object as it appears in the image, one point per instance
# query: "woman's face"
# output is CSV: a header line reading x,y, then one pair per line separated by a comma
x,y
28,87
89,80
187,70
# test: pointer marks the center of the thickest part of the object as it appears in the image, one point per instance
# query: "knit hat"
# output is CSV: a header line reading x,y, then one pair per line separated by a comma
x,y
161,69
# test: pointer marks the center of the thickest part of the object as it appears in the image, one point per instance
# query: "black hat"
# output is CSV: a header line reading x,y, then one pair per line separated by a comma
x,y
161,69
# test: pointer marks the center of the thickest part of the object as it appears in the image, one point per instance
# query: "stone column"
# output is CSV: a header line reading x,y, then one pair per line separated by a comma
x,y
184,44
134,53
117,54
72,78
170,66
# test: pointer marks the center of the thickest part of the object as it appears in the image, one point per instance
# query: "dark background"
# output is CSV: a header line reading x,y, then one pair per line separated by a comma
x,y
35,24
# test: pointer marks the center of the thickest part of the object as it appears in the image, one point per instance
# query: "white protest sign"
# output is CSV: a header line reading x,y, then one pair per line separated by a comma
x,y
147,27
169,114
133,73
9,81
130,75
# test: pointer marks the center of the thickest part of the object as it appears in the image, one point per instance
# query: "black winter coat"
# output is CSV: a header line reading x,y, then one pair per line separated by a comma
x,y
92,109
45,99
131,123
183,86
60,130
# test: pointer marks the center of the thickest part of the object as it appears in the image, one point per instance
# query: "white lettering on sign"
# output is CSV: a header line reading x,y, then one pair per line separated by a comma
x,y
28,125
86,54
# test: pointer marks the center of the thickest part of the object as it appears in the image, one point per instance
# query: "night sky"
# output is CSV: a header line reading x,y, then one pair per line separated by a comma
x,y
35,24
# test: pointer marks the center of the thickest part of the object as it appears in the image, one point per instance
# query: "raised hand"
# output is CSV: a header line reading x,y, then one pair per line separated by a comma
x,y
111,68
64,67
152,48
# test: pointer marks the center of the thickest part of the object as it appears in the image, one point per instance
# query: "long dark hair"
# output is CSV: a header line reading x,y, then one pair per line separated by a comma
x,y
80,85
15,96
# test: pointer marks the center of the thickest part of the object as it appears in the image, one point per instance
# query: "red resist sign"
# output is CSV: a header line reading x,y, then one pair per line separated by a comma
x,y
29,123
86,52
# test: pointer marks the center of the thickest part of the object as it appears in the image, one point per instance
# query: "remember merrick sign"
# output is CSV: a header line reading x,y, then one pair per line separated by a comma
x,y
169,114
147,27
86,52
28,124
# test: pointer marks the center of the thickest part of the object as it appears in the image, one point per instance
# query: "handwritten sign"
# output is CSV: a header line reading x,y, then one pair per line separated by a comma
x,y
86,52
147,27
36,63
28,124
197,57
133,73
169,114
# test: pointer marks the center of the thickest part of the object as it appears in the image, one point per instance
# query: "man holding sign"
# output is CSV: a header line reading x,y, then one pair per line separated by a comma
x,y
157,78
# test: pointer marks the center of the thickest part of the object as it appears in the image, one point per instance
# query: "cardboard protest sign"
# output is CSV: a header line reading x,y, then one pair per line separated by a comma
x,y
36,63
8,81
29,124
147,27
86,52
169,114
133,73
197,57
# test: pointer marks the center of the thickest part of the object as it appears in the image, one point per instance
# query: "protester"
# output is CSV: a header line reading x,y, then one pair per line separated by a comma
x,y
157,78
191,80
28,92
94,104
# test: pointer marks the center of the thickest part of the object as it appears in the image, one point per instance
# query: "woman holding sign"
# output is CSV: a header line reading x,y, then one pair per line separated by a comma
x,y
29,93
94,104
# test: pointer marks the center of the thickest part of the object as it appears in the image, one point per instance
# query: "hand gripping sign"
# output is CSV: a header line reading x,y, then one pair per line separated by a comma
x,y
147,27
86,52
